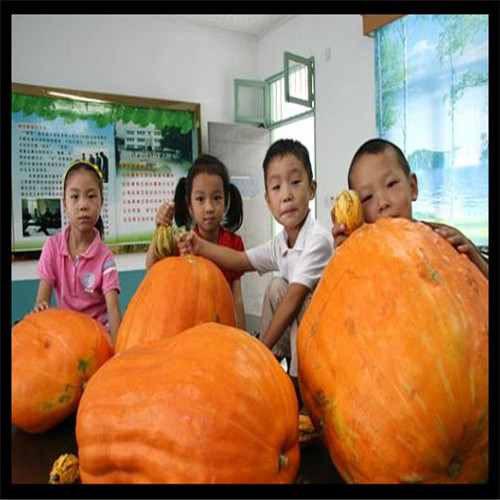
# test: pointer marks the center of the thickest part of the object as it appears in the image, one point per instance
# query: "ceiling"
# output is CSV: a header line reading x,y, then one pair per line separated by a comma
x,y
257,24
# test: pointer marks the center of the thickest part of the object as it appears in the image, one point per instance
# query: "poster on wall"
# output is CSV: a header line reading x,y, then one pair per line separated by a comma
x,y
141,146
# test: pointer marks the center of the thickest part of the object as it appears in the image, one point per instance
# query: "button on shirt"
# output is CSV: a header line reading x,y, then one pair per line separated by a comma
x,y
81,283
304,263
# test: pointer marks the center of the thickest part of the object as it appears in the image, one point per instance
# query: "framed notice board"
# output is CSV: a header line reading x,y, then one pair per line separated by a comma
x,y
142,146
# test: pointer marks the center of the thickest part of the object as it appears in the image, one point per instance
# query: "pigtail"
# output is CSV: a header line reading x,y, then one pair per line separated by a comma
x,y
233,217
99,225
182,217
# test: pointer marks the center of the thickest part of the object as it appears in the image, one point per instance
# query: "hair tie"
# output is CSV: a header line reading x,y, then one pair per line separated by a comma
x,y
84,162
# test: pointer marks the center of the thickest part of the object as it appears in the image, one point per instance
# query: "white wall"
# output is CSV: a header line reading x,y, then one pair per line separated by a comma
x,y
345,90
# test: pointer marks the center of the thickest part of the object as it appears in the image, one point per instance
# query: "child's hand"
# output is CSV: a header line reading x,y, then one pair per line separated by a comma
x,y
188,242
458,240
41,306
165,214
462,245
339,234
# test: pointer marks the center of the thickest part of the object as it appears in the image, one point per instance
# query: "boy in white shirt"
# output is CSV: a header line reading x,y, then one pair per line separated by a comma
x,y
300,252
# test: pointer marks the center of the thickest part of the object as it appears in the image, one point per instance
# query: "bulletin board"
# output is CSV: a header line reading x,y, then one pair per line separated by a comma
x,y
142,146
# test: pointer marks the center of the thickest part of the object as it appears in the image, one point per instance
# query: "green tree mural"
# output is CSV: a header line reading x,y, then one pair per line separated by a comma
x,y
101,114
391,72
400,29
457,32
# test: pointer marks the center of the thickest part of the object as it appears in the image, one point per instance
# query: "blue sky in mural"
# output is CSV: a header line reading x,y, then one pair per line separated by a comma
x,y
436,110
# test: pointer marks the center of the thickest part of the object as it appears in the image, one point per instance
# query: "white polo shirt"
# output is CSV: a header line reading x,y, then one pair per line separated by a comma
x,y
304,263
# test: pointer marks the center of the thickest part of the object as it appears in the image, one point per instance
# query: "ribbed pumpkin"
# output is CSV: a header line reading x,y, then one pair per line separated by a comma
x,y
54,353
176,293
164,240
393,358
211,405
346,209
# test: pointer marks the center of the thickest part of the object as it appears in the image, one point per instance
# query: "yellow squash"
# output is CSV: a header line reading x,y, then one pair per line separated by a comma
x,y
347,210
164,240
65,470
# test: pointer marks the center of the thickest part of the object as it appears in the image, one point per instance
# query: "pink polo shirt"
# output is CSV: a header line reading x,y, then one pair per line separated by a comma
x,y
82,283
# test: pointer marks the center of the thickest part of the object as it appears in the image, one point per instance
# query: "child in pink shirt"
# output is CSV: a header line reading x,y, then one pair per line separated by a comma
x,y
75,262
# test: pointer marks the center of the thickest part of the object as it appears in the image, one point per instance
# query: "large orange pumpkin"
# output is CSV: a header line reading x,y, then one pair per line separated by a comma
x,y
176,293
211,405
393,358
54,353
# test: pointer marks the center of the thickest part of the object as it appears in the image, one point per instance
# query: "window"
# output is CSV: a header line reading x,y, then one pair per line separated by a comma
x,y
281,110
432,101
291,121
283,103
279,99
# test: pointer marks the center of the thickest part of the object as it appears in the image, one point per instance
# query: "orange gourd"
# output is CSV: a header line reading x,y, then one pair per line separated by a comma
x,y
164,240
54,353
176,293
346,209
211,405
393,358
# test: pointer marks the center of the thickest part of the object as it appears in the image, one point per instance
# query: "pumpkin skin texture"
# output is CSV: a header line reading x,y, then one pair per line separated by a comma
x,y
54,353
211,405
393,358
176,294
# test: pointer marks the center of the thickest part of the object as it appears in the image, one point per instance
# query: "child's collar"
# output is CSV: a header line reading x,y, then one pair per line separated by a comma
x,y
300,241
91,249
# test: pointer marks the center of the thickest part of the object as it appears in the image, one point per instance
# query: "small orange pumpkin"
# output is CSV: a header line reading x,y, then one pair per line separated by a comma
x,y
393,358
176,293
211,405
54,353
347,210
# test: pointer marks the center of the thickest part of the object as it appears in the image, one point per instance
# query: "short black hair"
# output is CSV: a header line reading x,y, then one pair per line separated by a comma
x,y
376,146
283,147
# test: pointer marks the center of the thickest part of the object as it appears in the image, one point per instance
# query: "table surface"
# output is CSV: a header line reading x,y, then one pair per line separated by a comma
x,y
34,454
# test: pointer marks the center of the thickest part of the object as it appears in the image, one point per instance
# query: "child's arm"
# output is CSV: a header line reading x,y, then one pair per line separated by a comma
x,y
286,312
463,245
233,260
150,256
114,315
239,307
164,217
47,272
43,295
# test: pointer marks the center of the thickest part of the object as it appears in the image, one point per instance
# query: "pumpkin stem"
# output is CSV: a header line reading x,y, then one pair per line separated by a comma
x,y
282,462
455,467
321,424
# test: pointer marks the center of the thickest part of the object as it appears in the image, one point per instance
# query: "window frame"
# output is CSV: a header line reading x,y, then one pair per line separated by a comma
x,y
309,64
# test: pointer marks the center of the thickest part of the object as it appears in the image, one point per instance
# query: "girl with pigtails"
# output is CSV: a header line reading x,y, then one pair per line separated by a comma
x,y
207,202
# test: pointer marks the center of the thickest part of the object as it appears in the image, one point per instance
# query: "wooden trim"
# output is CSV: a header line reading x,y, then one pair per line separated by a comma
x,y
41,91
371,22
